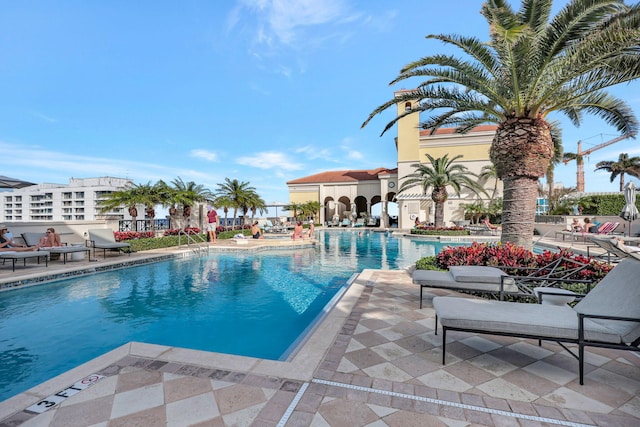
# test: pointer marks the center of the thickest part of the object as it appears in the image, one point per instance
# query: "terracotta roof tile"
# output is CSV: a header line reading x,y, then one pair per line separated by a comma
x,y
447,131
344,176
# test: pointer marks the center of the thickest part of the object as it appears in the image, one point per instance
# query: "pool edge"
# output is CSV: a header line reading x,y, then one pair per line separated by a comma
x,y
301,367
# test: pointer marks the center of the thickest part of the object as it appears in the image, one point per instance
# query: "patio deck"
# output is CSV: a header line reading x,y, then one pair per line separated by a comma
x,y
374,361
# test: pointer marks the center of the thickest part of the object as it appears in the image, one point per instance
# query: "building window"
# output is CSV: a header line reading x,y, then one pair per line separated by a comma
x,y
79,194
542,206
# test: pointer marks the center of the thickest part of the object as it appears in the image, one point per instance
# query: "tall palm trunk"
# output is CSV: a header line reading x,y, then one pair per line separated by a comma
x,y
519,210
439,196
521,151
621,182
550,175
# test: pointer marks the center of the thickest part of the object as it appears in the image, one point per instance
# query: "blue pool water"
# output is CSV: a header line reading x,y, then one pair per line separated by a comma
x,y
247,304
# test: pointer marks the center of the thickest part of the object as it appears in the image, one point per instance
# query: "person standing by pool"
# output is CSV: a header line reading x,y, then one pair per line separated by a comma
x,y
312,229
212,224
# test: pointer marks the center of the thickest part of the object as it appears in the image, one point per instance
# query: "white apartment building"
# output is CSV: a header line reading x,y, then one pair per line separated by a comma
x,y
76,201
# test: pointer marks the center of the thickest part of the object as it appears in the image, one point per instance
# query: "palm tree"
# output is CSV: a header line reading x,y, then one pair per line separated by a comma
x,y
624,165
442,173
311,209
150,196
129,197
225,203
295,208
256,205
534,64
557,157
489,172
188,193
237,194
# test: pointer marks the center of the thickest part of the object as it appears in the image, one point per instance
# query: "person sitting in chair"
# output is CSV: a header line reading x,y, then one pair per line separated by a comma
x,y
625,247
589,226
492,227
576,226
7,244
51,239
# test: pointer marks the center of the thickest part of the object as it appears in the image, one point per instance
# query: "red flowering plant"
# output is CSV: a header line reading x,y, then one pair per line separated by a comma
x,y
509,255
505,255
187,230
131,235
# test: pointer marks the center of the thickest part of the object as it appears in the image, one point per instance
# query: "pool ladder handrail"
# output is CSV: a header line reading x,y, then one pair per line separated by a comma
x,y
201,245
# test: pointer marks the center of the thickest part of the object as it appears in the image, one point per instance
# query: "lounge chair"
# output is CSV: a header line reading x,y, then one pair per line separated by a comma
x,y
359,222
606,228
16,256
268,226
32,239
494,281
612,251
481,228
104,239
466,278
345,223
607,317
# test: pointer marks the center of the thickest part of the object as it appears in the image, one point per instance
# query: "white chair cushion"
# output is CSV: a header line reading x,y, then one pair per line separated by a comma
x,y
476,274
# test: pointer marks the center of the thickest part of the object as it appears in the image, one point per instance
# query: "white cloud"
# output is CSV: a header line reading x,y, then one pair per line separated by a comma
x,y
43,117
41,162
270,160
355,155
285,22
204,154
314,153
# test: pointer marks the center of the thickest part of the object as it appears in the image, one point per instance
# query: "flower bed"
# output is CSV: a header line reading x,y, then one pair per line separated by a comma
x,y
427,230
509,255
132,235
187,230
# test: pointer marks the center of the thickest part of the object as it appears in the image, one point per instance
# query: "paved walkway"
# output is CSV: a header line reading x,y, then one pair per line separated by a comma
x,y
373,361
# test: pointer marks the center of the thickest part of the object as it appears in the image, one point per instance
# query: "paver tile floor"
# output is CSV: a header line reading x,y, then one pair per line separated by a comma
x,y
383,368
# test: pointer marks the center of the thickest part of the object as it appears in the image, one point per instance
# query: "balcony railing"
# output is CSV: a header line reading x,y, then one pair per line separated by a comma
x,y
144,224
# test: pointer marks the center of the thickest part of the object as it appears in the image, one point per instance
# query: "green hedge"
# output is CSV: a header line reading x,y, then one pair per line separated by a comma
x,y
440,232
605,205
170,241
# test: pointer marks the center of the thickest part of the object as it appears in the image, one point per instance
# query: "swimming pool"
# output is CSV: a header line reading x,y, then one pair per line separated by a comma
x,y
252,304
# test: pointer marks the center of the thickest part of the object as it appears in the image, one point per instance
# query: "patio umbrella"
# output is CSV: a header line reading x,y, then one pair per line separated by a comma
x,y
6,182
276,204
630,211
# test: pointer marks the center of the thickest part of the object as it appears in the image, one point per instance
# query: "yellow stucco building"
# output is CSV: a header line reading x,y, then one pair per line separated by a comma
x,y
352,193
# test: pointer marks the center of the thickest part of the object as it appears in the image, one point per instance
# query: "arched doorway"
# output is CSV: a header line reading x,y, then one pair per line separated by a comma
x,y
330,209
392,209
343,205
361,206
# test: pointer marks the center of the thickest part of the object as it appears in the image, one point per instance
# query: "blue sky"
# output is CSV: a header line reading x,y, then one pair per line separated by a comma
x,y
262,91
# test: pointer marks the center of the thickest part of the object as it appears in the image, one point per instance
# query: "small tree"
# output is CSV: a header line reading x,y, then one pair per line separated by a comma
x,y
624,165
440,174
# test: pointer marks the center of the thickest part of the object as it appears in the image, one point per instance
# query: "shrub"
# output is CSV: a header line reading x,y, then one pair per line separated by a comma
x,y
187,230
509,255
499,254
427,263
433,231
131,235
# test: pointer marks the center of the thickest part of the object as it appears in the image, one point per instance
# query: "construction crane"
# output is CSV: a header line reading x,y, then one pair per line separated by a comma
x,y
580,157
